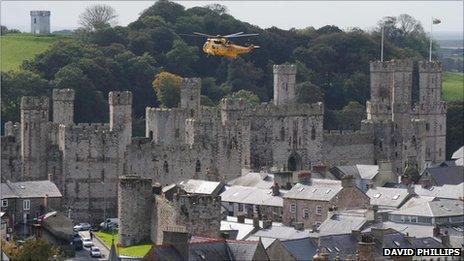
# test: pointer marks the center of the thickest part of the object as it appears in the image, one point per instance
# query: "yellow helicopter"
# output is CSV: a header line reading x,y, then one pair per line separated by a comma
x,y
220,45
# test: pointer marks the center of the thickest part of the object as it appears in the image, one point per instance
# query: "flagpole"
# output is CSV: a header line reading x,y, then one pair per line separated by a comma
x,y
431,35
381,48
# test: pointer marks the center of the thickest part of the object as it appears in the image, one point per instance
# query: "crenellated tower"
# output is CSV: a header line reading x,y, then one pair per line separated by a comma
x,y
284,84
63,106
34,137
121,116
190,89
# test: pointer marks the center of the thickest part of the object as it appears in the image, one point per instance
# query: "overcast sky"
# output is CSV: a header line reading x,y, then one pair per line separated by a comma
x,y
298,14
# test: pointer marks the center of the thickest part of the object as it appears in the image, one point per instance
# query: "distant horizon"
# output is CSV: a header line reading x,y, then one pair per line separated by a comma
x,y
284,15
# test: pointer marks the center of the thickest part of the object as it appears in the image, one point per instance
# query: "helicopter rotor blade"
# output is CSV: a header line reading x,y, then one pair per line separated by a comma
x,y
243,35
230,35
192,35
202,34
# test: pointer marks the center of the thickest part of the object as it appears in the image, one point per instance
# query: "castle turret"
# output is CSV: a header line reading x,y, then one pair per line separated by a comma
x,y
34,137
190,89
63,106
121,115
40,22
284,84
135,204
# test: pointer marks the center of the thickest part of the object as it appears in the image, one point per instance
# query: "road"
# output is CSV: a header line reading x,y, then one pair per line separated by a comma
x,y
83,255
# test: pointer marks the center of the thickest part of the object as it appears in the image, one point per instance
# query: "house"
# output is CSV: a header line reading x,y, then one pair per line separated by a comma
x,y
446,191
292,249
439,176
366,176
193,186
239,228
435,212
343,222
57,229
266,203
179,246
309,202
4,226
389,198
26,201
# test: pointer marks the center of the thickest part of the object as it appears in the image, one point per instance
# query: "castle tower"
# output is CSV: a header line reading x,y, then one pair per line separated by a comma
x,y
34,137
232,109
40,22
121,115
433,110
63,106
284,84
401,93
190,90
135,204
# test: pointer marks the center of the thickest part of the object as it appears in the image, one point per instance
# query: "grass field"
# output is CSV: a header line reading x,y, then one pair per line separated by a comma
x,y
15,48
135,250
453,86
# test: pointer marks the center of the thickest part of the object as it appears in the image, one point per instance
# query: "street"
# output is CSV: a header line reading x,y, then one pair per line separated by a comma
x,y
84,254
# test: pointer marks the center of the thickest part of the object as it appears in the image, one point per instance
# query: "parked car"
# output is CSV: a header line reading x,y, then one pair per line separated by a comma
x,y
77,242
82,227
109,223
95,252
87,242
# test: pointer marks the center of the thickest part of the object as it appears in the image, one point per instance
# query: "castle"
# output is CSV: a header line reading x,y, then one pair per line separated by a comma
x,y
40,22
219,143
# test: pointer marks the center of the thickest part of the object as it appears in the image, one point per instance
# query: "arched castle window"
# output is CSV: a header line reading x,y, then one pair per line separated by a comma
x,y
313,133
198,166
282,133
439,152
396,154
166,167
414,140
427,126
150,135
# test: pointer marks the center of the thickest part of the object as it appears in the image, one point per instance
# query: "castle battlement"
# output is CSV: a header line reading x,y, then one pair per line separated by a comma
x,y
269,109
40,13
11,129
434,108
285,69
188,83
120,98
232,104
347,137
426,66
392,65
63,95
34,103
86,130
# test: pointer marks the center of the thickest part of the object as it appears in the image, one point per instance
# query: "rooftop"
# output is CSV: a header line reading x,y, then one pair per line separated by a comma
x,y
30,189
436,208
250,195
388,197
319,189
196,186
358,170
254,179
446,175
445,191
341,223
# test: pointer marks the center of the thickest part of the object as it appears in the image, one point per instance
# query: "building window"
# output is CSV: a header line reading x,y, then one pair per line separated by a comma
x,y
26,204
292,208
240,207
318,210
198,166
427,126
305,213
166,167
313,133
35,20
4,203
439,152
282,133
150,135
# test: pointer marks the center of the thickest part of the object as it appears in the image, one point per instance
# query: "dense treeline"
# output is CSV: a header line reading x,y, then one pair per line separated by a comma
x,y
333,65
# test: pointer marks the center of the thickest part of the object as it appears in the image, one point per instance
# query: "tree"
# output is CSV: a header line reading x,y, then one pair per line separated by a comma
x,y
181,58
167,89
248,96
35,249
307,92
351,116
98,17
454,126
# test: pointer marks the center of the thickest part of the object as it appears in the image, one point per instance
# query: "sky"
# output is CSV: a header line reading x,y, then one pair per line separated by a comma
x,y
285,15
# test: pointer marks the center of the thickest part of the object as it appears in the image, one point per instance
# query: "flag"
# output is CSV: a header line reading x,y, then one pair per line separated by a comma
x,y
436,21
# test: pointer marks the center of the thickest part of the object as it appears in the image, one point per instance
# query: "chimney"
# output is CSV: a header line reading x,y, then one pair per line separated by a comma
x,y
304,177
156,189
275,189
378,233
241,217
320,168
445,239
50,177
255,222
298,225
366,248
46,202
436,231
179,240
348,181
408,237
267,223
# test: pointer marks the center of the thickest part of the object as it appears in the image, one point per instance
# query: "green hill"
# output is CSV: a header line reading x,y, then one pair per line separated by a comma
x,y
15,48
453,86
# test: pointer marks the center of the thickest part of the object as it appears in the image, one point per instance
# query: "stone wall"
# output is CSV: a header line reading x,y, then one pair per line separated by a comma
x,y
135,206
63,106
40,22
348,147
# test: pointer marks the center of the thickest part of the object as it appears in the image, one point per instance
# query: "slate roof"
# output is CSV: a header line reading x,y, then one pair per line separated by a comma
x,y
281,232
301,249
398,240
387,197
340,223
436,208
458,154
412,229
250,195
339,245
358,171
319,189
58,224
197,186
242,229
31,189
446,175
254,179
242,250
445,191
